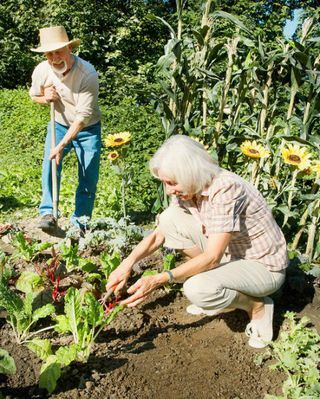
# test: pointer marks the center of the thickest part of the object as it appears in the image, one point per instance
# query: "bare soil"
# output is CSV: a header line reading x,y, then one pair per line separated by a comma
x,y
159,351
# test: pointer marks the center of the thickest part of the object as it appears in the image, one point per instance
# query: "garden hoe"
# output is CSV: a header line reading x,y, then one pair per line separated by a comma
x,y
54,166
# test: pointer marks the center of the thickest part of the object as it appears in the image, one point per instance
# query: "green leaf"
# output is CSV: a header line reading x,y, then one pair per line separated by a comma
x,y
94,311
63,325
87,266
149,273
109,262
169,262
10,300
27,303
41,347
67,354
289,360
73,309
49,374
93,276
233,19
7,364
43,312
29,282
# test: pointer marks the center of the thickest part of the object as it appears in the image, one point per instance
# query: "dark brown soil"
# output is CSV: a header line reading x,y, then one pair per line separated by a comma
x,y
159,351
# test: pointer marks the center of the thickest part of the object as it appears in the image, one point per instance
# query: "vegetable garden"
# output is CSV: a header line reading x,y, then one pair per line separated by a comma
x,y
226,78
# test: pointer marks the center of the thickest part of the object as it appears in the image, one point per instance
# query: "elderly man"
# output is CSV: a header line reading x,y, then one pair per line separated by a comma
x,y
237,253
72,84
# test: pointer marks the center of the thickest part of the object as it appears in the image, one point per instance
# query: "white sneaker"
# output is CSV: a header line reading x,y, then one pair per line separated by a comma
x,y
260,331
196,310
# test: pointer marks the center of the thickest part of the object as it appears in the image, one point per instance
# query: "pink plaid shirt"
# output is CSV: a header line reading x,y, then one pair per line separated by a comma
x,y
232,205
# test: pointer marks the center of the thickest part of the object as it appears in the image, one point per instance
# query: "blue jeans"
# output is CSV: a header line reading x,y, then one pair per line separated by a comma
x,y
87,145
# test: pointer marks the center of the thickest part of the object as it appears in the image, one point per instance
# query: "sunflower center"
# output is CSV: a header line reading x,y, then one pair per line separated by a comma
x,y
253,151
118,140
294,158
113,155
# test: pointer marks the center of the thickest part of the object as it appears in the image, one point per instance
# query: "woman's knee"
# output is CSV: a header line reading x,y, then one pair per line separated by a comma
x,y
196,291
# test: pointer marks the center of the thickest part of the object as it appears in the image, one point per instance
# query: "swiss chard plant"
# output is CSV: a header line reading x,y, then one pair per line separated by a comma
x,y
21,314
27,248
83,318
7,364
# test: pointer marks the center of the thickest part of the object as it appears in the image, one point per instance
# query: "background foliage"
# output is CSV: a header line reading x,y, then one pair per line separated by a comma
x,y
218,70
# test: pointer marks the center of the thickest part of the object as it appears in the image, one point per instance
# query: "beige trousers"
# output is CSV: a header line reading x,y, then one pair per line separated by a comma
x,y
218,287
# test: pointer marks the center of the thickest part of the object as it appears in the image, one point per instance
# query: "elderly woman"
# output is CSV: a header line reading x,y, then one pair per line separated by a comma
x,y
236,252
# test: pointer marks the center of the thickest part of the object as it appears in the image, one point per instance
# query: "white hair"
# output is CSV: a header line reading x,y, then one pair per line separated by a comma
x,y
186,162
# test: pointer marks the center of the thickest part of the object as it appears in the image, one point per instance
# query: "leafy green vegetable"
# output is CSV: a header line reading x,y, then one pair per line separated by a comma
x,y
7,364
297,353
20,313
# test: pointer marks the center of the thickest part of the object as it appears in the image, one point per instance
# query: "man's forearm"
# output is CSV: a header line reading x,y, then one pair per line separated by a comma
x,y
71,134
40,100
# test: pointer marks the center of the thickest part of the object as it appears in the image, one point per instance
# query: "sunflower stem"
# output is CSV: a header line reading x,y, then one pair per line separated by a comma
x,y
255,168
290,196
123,200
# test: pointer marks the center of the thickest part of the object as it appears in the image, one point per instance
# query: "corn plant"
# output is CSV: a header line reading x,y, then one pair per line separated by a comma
x,y
240,89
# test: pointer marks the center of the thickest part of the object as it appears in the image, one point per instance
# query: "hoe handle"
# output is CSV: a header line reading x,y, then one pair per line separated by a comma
x,y
54,164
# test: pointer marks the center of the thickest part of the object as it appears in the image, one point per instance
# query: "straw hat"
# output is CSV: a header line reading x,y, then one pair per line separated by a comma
x,y
54,38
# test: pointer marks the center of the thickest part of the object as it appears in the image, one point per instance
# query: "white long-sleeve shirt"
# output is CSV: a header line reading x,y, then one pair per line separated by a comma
x,y
78,92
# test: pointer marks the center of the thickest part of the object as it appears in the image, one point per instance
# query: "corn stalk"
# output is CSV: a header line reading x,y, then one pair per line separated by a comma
x,y
232,51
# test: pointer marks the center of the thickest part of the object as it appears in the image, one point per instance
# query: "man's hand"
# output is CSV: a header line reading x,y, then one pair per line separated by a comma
x,y
56,153
50,94
142,288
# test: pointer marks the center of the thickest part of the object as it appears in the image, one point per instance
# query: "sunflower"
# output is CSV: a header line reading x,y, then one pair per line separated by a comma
x,y
117,139
297,156
113,155
254,150
315,167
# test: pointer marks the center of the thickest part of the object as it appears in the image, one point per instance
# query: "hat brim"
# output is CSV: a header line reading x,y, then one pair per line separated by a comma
x,y
56,46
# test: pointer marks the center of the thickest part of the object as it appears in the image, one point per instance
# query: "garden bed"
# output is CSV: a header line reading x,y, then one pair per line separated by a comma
x,y
158,350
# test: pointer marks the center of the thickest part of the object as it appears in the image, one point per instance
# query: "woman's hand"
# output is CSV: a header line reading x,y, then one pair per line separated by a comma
x,y
143,287
119,277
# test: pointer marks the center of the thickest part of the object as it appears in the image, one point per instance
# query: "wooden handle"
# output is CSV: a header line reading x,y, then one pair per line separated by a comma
x,y
53,163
